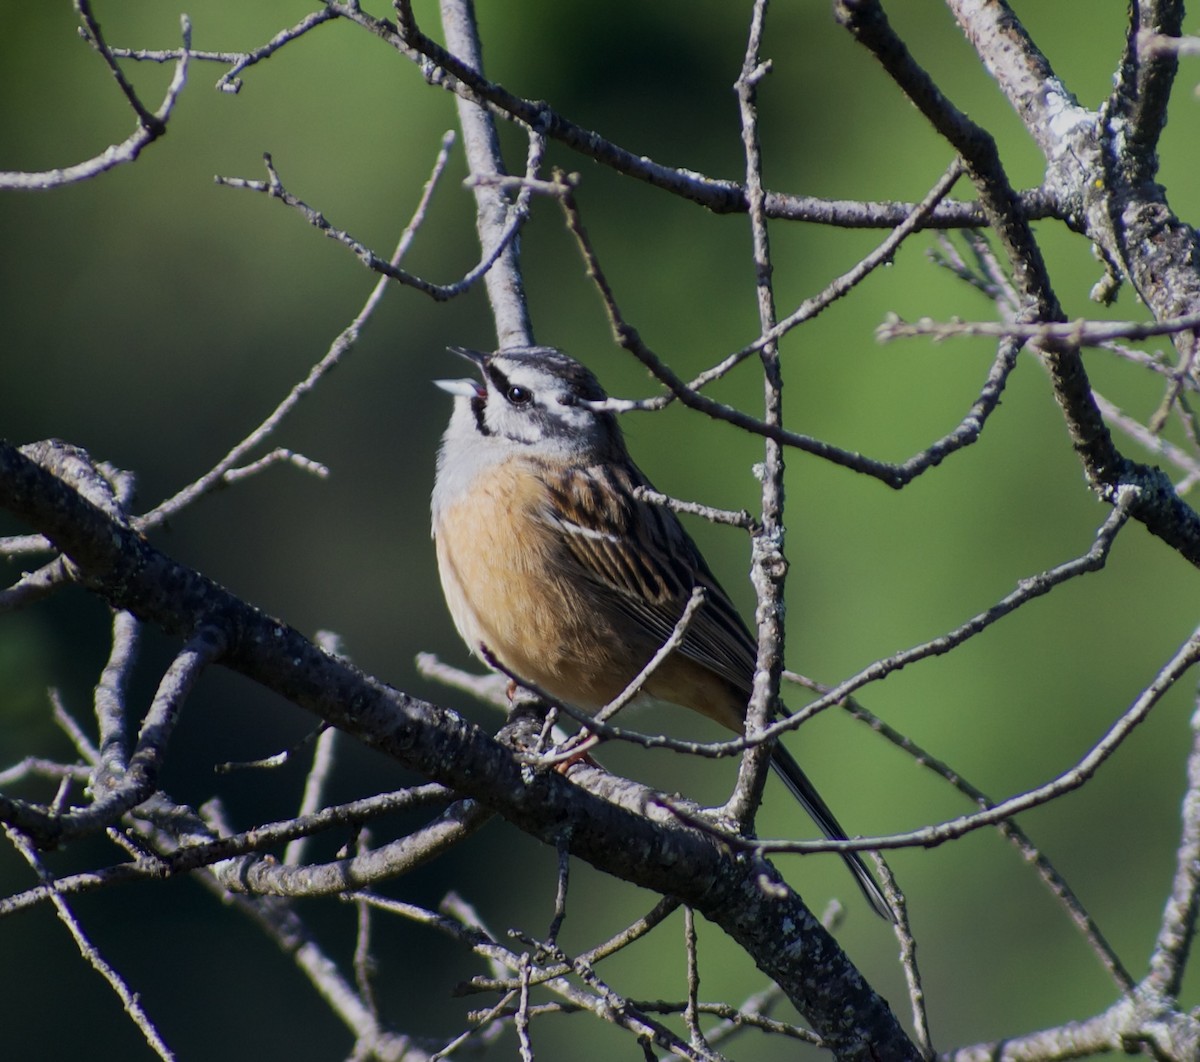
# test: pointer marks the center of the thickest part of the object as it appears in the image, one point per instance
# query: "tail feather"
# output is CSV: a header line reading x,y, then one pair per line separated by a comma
x,y
802,789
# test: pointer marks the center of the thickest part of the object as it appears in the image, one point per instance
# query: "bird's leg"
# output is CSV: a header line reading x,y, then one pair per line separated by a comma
x,y
576,749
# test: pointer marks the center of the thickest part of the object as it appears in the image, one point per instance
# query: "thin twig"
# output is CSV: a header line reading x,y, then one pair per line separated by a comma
x,y
67,723
1180,663
894,475
275,759
226,467
208,849
741,518
560,893
629,935
1077,333
237,61
842,285
908,955
491,688
314,791
364,961
1028,589
150,125
1009,829
484,1027
752,1014
515,216
1168,962
691,1012
598,722
88,950
35,585
442,68
1183,461
524,1041
694,603
768,563
115,794
39,767
603,1002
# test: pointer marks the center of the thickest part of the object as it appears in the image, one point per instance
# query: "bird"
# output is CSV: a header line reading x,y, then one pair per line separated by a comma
x,y
554,565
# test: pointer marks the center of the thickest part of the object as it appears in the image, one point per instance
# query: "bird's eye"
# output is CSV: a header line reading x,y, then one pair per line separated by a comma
x,y
518,395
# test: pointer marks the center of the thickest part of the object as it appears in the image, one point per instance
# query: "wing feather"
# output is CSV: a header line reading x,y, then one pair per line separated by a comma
x,y
646,565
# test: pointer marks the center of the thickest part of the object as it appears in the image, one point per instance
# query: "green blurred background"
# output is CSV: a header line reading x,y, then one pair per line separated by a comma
x,y
154,318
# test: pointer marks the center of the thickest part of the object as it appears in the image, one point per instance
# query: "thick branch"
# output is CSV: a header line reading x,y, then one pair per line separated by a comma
x,y
1144,84
1158,506
720,196
613,824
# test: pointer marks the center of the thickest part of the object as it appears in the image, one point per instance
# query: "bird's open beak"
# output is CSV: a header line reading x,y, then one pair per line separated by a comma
x,y
478,358
466,388
462,388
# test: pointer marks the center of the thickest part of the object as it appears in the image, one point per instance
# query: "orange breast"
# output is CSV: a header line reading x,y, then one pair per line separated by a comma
x,y
509,585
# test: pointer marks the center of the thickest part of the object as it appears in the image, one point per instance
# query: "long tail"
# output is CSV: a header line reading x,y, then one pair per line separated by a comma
x,y
802,789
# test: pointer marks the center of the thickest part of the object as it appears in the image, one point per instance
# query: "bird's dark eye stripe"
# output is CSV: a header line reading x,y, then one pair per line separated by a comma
x,y
514,393
499,380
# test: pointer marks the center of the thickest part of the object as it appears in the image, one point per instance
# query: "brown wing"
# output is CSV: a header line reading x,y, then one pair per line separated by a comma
x,y
638,556
646,565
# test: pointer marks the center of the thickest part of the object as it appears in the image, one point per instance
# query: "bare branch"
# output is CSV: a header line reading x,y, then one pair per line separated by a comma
x,y
237,61
1077,333
264,876
89,951
1180,663
908,955
717,516
1028,589
110,696
752,904
443,69
274,188
893,475
495,218
601,1002
768,562
280,922
1152,45
38,767
1030,853
314,792
1178,928
226,470
115,794
1147,74
1101,182
150,126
